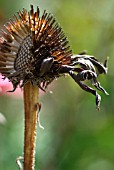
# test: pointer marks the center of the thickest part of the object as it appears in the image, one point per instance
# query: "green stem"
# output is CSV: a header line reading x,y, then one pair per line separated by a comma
x,y
31,114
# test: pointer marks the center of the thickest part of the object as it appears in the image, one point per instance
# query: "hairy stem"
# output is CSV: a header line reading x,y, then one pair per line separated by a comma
x,y
30,131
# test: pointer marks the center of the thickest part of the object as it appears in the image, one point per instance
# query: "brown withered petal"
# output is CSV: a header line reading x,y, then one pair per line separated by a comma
x,y
34,48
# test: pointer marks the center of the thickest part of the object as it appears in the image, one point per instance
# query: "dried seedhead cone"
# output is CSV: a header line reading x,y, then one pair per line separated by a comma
x,y
34,48
28,44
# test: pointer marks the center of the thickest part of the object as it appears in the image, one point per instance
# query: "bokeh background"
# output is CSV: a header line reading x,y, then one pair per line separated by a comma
x,y
76,135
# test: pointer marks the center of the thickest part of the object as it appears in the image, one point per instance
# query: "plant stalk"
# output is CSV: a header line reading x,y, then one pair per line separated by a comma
x,y
31,115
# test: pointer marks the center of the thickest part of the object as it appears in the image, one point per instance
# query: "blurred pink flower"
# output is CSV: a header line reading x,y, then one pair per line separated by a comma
x,y
5,86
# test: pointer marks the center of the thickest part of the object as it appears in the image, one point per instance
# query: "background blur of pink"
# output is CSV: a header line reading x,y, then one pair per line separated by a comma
x,y
5,86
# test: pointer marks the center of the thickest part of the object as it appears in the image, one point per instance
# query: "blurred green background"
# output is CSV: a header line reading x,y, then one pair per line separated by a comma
x,y
76,135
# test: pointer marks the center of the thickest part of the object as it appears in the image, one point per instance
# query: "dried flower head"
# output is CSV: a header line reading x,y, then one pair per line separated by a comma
x,y
35,49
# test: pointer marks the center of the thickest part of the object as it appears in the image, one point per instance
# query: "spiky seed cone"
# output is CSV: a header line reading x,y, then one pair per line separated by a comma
x,y
34,50
27,41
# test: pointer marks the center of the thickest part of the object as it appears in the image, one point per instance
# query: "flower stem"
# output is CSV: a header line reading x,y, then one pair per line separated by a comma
x,y
30,131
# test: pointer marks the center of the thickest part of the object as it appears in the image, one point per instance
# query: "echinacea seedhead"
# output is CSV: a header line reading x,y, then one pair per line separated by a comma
x,y
34,48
